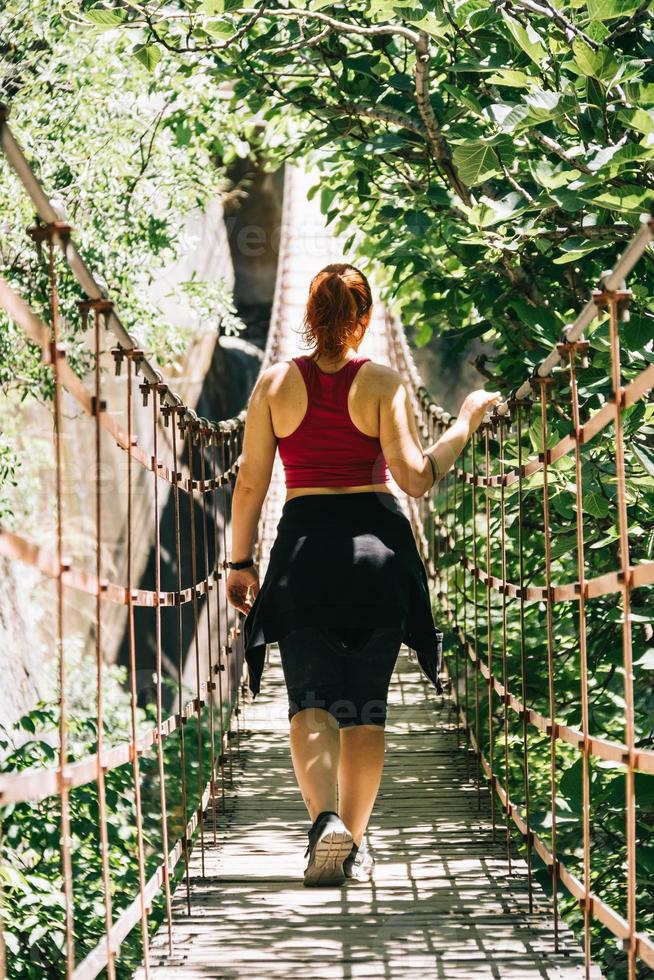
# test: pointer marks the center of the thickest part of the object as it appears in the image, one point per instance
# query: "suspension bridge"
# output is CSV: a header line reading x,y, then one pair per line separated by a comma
x,y
460,864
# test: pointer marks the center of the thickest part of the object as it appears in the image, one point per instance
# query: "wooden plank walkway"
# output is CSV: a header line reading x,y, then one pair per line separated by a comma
x,y
442,903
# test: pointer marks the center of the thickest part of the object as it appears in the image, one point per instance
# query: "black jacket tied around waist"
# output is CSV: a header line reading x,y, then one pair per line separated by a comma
x,y
345,559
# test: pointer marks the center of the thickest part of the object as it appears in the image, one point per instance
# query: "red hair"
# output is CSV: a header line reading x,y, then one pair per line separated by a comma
x,y
339,296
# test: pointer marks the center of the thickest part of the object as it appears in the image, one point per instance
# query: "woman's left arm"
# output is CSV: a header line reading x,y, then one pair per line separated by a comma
x,y
252,482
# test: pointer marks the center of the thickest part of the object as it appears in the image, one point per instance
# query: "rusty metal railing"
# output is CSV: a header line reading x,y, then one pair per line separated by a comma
x,y
463,558
200,490
464,541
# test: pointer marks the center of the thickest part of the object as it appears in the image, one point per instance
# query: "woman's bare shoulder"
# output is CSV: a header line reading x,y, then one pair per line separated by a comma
x,y
280,381
275,374
385,378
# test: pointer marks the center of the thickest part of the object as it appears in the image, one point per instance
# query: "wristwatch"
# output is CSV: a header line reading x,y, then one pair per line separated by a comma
x,y
241,564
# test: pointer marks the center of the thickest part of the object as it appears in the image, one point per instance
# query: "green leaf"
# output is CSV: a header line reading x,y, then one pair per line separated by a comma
x,y
571,784
538,106
466,98
575,249
563,506
640,119
475,162
417,221
213,6
512,119
526,37
595,504
327,195
645,459
631,199
544,104
106,18
216,28
13,878
149,55
433,25
511,78
600,64
611,9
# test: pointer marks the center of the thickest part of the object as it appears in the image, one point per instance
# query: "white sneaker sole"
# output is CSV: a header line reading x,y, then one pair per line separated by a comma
x,y
326,865
360,874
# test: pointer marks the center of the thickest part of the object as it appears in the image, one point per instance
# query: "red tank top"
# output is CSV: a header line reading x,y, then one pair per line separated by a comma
x,y
327,449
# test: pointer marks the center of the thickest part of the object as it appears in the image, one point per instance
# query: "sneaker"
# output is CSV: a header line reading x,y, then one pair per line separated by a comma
x,y
359,863
330,842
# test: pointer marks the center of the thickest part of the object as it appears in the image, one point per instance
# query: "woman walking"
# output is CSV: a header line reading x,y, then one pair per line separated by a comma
x,y
345,584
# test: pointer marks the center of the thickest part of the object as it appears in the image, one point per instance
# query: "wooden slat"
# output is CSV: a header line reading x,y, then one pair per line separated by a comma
x,y
441,894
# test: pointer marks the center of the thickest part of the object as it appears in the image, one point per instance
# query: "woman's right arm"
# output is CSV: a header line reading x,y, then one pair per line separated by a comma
x,y
401,443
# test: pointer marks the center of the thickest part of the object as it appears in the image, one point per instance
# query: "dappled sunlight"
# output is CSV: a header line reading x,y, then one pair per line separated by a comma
x,y
441,901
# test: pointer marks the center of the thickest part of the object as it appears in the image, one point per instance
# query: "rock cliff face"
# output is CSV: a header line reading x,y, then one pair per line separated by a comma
x,y
222,385
214,377
253,222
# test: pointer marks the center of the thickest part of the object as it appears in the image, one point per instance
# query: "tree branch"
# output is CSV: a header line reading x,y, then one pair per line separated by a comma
x,y
244,28
420,41
439,143
546,10
557,149
341,25
305,42
388,116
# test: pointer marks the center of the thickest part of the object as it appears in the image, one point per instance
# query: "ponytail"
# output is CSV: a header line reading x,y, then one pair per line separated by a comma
x,y
339,296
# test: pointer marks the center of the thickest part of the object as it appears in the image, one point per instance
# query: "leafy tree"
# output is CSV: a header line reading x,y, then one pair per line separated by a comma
x,y
126,156
489,161
487,158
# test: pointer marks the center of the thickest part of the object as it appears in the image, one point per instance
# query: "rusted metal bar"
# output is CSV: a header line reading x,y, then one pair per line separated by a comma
x,y
57,353
156,529
3,950
475,610
218,576
489,627
205,553
452,595
466,661
99,654
237,709
583,657
523,664
177,419
613,298
227,646
505,682
543,384
190,428
131,637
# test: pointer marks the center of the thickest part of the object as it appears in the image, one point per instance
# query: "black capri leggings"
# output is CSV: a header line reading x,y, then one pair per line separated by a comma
x,y
346,671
